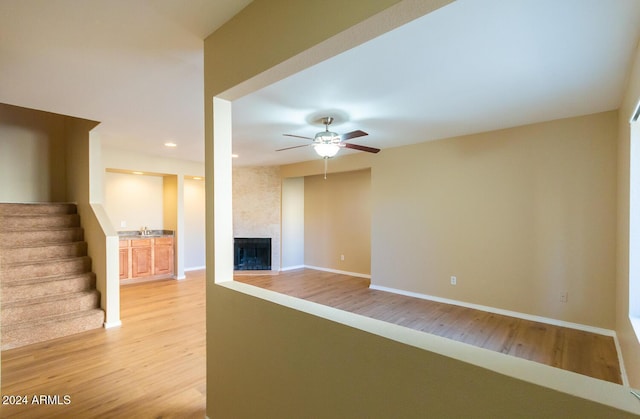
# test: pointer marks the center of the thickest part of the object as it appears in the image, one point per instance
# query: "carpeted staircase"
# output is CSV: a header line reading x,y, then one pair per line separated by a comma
x,y
46,284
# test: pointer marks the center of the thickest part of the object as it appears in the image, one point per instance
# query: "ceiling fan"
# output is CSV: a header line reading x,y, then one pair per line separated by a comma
x,y
327,143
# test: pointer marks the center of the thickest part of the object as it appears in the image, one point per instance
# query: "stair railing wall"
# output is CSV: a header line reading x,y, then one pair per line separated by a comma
x,y
84,187
102,241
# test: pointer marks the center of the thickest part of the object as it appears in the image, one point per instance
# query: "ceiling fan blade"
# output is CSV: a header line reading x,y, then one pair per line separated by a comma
x,y
298,136
361,148
295,146
352,134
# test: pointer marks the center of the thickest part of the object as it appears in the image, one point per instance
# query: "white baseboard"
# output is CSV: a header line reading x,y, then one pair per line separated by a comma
x,y
337,271
196,268
525,316
290,268
111,325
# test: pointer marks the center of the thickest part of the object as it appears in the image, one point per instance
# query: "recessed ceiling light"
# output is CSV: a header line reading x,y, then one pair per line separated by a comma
x,y
138,173
170,144
235,156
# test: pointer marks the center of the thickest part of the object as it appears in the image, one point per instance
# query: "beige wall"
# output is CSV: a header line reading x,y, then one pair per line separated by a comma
x,y
341,163
102,242
170,187
31,152
313,361
173,217
518,216
257,196
628,339
337,221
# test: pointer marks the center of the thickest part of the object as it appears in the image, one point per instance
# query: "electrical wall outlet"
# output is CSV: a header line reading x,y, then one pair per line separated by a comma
x,y
341,257
454,280
564,297
123,223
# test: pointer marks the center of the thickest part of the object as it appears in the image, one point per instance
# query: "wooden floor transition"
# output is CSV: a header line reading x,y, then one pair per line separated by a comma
x,y
570,349
153,366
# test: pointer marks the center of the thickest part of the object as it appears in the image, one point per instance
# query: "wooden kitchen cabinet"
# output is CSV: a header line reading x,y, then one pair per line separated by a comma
x,y
141,258
124,259
163,256
146,258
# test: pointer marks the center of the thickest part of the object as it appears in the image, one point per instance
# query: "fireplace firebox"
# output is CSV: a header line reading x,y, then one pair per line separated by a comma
x,y
251,254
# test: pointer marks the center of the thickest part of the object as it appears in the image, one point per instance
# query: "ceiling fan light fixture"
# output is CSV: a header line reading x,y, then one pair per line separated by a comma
x,y
327,137
328,143
326,150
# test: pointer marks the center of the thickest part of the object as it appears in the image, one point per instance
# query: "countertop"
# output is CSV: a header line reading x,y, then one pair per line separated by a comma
x,y
136,234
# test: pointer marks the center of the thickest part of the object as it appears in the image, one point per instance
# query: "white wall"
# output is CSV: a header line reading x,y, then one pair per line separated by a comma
x,y
292,223
114,158
629,342
194,215
135,200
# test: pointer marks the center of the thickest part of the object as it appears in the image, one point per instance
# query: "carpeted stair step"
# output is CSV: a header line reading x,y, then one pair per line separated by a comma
x,y
37,208
47,288
46,252
40,237
44,287
40,221
36,308
52,327
45,268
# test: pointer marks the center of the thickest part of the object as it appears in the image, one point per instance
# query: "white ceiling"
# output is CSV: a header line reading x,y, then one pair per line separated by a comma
x,y
472,66
469,67
134,65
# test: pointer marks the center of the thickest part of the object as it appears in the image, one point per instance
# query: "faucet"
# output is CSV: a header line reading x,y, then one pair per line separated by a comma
x,y
144,231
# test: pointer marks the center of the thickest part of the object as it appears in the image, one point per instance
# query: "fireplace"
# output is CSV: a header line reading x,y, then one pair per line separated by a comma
x,y
252,254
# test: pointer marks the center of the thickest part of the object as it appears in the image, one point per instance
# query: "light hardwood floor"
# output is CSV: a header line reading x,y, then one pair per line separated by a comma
x,y
574,350
153,366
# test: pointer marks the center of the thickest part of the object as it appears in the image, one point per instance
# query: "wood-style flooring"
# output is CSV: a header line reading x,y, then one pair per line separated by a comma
x,y
153,366
586,353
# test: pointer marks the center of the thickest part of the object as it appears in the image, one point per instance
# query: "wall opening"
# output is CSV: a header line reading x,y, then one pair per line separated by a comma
x,y
634,221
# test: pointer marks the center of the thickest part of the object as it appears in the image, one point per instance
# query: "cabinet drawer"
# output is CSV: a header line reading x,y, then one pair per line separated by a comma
x,y
164,241
124,243
141,243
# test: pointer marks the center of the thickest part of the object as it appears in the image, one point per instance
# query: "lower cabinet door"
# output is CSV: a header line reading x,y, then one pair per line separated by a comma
x,y
141,262
124,263
163,260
